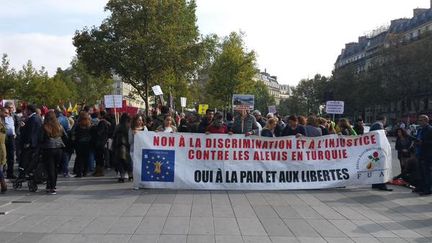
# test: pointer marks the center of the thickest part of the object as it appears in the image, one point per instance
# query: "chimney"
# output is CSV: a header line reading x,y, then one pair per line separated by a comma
x,y
418,11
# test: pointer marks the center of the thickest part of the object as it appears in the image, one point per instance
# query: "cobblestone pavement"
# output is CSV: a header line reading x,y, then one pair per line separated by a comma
x,y
102,210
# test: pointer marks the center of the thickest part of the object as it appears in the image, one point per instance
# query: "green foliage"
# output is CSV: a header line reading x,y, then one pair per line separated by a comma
x,y
74,84
263,99
232,71
84,87
145,42
7,79
35,86
307,97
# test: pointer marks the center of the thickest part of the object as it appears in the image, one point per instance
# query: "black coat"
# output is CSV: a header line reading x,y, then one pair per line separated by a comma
x,y
426,144
31,132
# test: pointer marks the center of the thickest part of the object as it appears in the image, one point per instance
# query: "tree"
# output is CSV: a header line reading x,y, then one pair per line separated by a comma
x,y
232,72
85,87
263,99
7,79
143,42
34,86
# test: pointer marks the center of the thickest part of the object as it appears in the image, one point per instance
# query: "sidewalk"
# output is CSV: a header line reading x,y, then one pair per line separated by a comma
x,y
101,210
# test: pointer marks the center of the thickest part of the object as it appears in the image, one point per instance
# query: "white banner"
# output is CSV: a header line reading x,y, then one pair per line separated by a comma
x,y
236,162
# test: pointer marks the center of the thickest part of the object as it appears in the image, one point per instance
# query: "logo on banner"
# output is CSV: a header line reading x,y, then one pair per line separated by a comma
x,y
370,160
158,165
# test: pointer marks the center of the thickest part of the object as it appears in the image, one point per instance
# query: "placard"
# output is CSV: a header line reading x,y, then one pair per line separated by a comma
x,y
335,107
113,101
243,102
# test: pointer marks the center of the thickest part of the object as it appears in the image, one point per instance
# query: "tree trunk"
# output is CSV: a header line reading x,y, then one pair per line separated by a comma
x,y
146,96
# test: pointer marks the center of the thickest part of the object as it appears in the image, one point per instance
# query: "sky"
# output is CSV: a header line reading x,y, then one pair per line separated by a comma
x,y
293,39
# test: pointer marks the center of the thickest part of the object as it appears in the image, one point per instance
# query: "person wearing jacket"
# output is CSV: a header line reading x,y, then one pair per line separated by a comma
x,y
217,125
404,143
424,154
167,125
30,137
100,135
52,145
244,123
121,147
3,184
206,121
345,128
269,128
81,139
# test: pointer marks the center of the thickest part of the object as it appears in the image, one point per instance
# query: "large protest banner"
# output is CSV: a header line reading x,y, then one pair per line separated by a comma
x,y
231,162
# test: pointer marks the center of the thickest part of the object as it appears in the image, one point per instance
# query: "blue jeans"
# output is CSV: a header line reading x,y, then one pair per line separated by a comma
x,y
1,173
65,162
91,161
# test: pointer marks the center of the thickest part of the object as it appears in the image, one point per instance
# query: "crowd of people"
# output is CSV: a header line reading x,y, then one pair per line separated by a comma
x,y
31,138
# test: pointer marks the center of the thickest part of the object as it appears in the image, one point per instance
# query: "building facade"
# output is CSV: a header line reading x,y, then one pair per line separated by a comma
x,y
278,91
360,55
121,88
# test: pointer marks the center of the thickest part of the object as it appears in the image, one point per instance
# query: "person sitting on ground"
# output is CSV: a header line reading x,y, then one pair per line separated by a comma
x,y
217,125
269,128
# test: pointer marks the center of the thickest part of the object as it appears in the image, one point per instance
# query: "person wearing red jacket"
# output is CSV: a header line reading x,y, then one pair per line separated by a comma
x,y
217,125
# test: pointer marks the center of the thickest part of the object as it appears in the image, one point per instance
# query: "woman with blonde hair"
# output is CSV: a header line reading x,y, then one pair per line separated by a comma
x,y
168,125
268,130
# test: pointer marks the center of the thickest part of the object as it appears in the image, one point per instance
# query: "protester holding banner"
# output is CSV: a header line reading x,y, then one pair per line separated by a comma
x,y
217,125
293,128
379,125
122,148
168,125
269,128
206,121
346,128
244,123
311,128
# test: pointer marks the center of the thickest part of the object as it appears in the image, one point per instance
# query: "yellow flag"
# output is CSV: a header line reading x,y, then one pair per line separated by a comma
x,y
70,109
75,109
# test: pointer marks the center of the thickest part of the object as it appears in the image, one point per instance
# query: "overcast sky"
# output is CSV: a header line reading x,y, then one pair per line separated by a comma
x,y
293,39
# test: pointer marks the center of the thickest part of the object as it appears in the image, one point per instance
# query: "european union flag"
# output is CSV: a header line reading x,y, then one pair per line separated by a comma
x,y
158,165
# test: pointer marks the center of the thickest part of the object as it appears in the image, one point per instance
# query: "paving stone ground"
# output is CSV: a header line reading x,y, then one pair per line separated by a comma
x,y
102,210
